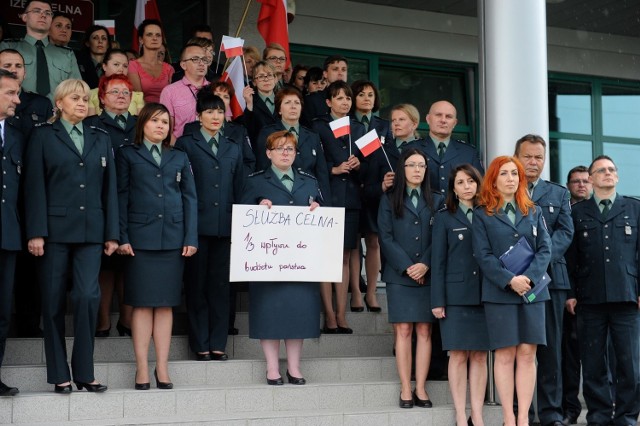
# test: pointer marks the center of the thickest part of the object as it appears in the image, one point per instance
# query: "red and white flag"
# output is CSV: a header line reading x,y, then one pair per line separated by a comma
x,y
231,46
273,24
145,9
235,75
341,126
369,143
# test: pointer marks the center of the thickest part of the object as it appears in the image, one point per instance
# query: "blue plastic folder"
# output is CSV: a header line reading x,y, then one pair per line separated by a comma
x,y
517,259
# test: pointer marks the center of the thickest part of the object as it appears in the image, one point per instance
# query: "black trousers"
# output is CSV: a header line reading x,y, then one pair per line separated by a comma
x,y
570,366
7,270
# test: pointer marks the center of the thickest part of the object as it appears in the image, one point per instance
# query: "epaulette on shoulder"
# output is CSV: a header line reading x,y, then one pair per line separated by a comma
x,y
64,47
259,172
631,197
13,40
126,145
443,208
177,148
44,123
556,184
303,173
100,129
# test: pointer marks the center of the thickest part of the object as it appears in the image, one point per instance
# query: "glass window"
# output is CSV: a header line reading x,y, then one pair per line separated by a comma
x,y
565,154
625,156
621,112
570,107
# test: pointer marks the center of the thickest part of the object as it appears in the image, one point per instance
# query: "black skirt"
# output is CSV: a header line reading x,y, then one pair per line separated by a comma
x,y
153,278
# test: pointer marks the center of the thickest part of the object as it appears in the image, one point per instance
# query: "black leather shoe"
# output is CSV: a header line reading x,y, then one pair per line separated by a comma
x,y
123,330
405,403
372,308
8,390
90,387
142,386
219,357
275,382
103,333
162,385
233,331
327,330
344,330
422,403
469,422
570,420
203,357
357,308
296,380
65,389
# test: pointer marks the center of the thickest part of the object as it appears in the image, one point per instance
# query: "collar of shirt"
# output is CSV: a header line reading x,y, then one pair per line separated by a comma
x,y
512,202
465,209
113,115
279,173
534,183
597,200
190,83
32,40
265,97
333,117
207,136
401,141
409,189
288,126
69,127
359,117
150,144
445,141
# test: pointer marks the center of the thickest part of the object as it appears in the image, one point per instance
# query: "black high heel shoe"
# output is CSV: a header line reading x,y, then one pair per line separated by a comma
x,y
103,333
122,330
162,385
141,386
371,308
275,382
63,389
91,387
423,403
295,380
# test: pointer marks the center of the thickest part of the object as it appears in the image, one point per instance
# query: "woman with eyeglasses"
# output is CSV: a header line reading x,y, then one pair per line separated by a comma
x,y
516,328
115,62
405,221
150,74
283,310
455,294
261,101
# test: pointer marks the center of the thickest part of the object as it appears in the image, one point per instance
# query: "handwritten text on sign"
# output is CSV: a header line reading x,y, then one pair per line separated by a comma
x,y
286,243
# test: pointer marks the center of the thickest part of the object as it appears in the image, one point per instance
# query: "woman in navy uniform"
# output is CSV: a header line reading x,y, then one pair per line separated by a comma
x,y
158,229
455,294
345,178
283,310
404,223
71,213
218,170
260,110
515,328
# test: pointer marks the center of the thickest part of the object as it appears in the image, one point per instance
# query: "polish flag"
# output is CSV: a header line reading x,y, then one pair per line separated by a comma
x,y
145,9
231,46
235,75
341,126
369,143
273,24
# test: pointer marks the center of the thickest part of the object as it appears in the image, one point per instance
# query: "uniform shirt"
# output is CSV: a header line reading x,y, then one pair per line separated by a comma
x,y
180,100
280,175
601,206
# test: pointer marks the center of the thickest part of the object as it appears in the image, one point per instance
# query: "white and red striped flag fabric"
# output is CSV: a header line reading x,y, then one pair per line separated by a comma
x,y
145,9
235,75
273,25
341,126
231,46
369,143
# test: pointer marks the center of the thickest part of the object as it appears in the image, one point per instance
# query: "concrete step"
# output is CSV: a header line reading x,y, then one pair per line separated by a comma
x,y
315,403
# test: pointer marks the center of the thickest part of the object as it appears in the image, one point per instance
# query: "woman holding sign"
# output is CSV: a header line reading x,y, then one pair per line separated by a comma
x,y
405,217
283,310
515,328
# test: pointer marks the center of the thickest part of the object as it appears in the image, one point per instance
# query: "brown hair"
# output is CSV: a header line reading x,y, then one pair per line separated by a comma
x,y
149,111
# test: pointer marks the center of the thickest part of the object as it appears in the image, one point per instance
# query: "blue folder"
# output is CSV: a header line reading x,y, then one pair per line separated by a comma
x,y
517,259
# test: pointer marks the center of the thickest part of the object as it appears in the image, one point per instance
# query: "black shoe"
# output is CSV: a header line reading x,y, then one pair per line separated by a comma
x,y
8,390
469,422
327,330
570,420
122,330
405,403
422,403
275,382
233,331
357,308
65,389
103,333
295,380
344,330
203,357
90,387
371,308
142,386
219,357
162,385
29,332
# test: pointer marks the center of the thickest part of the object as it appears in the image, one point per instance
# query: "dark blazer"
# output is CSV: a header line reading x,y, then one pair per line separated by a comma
x,y
259,118
378,167
32,109
234,132
494,235
407,240
315,105
309,156
69,197
382,126
158,204
265,185
218,178
118,135
458,152
10,183
455,274
553,199
88,70
603,258
345,188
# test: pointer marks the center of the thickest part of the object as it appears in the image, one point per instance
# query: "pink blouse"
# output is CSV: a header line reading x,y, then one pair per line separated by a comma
x,y
152,86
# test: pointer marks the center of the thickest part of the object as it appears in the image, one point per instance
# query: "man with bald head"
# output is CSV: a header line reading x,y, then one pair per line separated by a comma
x,y
443,152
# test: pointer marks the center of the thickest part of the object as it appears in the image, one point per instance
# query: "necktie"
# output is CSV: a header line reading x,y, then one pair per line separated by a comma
x,y
122,122
530,188
213,143
402,146
76,137
509,211
470,215
42,70
365,122
606,209
287,182
441,149
293,130
270,105
155,152
414,197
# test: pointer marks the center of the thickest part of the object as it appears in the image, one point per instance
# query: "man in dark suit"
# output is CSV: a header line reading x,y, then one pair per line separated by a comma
x,y
11,147
603,263
443,152
553,199
336,68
